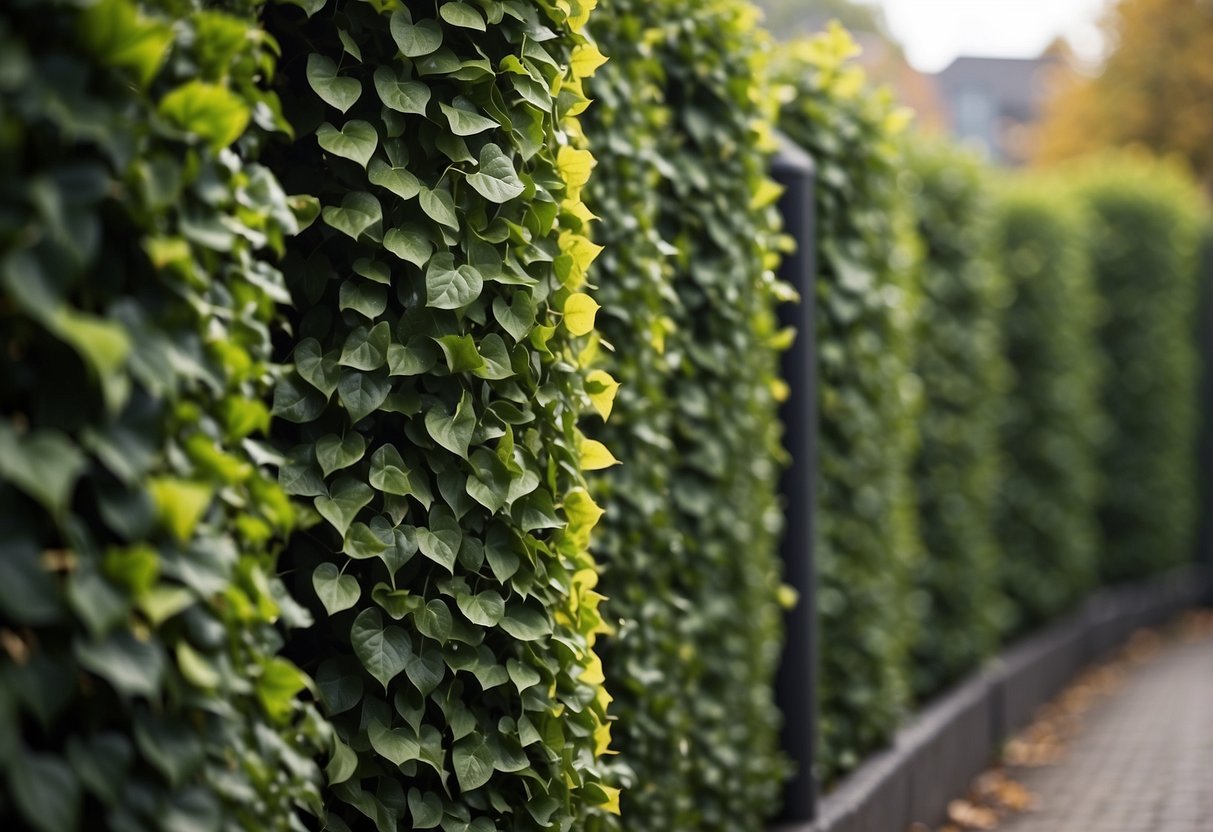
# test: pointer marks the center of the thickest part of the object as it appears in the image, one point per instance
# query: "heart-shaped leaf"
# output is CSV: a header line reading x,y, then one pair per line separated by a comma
x,y
397,180
434,621
516,317
439,206
418,356
401,96
334,452
409,243
382,651
347,497
320,371
453,431
485,609
339,681
473,761
359,213
462,14
426,670
461,354
333,90
362,394
296,401
466,122
448,287
356,140
336,591
496,179
414,40
396,744
441,540
368,299
366,348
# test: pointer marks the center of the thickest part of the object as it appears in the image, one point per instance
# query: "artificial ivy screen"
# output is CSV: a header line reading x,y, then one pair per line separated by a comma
x,y
139,683
430,420
681,126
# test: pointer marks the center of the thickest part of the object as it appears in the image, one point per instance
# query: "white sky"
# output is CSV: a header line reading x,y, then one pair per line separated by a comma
x,y
936,31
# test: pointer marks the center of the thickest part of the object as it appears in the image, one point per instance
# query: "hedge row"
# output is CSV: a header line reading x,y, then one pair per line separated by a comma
x,y
959,362
140,615
1051,420
868,548
439,340
1145,232
681,127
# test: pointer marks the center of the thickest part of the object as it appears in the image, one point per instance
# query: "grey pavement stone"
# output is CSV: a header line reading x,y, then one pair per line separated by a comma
x,y
1143,762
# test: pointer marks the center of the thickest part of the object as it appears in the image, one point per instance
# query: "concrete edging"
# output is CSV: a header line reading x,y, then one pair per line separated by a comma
x,y
933,759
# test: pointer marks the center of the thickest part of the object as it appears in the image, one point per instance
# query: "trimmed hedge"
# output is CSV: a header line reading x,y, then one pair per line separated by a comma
x,y
431,415
139,523
1051,418
681,127
868,546
1143,245
958,359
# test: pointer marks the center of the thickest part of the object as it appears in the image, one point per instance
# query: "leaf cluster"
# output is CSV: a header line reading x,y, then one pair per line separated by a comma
x,y
430,417
867,547
140,518
681,127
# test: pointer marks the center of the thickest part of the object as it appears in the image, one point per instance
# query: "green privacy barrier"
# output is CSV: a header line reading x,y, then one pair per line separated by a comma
x,y
430,418
959,363
868,546
1051,419
1145,220
680,126
139,522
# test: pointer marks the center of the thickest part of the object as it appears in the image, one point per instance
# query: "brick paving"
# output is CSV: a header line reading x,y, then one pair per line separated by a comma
x,y
1143,760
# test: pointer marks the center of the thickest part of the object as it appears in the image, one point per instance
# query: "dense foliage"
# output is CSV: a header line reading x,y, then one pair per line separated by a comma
x,y
139,683
1050,419
868,546
958,359
681,128
1143,246
431,414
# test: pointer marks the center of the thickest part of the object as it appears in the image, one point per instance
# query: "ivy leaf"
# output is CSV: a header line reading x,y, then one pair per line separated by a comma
x,y
401,96
44,464
359,212
414,358
595,456
425,670
496,179
347,497
453,431
320,371
344,762
363,542
180,504
46,792
473,761
465,122
409,243
369,300
362,394
366,349
295,401
439,206
461,14
461,354
414,40
396,179
526,623
399,745
390,475
496,357
334,452
434,620
336,591
516,317
339,682
210,111
579,312
441,540
119,35
601,388
425,809
131,666
333,90
485,609
382,651
448,287
356,141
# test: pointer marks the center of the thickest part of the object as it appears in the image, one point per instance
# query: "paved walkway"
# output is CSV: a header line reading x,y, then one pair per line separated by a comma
x,y
1143,760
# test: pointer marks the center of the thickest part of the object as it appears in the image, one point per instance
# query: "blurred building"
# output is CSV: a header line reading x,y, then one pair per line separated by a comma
x,y
995,103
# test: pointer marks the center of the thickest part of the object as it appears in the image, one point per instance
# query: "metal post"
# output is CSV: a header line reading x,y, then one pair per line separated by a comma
x,y
796,682
1204,552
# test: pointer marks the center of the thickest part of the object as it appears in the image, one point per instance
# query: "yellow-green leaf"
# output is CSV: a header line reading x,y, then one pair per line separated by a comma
x,y
579,312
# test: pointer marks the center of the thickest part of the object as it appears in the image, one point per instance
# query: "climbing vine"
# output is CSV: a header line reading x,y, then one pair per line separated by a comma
x,y
430,420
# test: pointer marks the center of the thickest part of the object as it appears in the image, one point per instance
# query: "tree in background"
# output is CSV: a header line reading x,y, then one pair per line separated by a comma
x,y
1154,89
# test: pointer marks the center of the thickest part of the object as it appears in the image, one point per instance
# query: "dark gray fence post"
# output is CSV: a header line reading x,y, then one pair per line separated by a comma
x,y
796,683
1205,451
